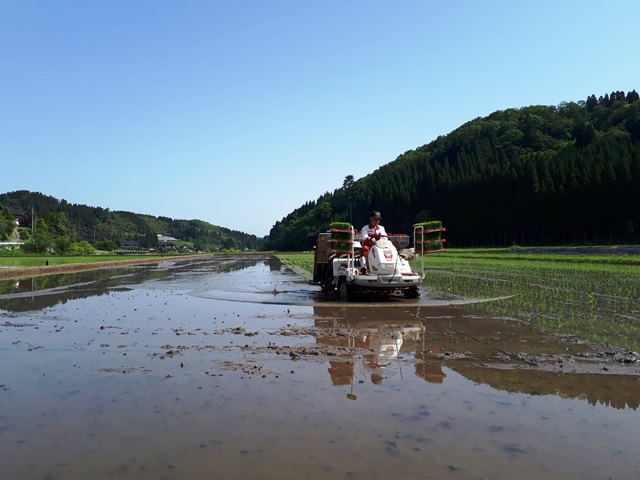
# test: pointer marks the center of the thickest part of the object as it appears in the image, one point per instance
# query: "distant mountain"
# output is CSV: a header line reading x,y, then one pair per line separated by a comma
x,y
534,175
100,224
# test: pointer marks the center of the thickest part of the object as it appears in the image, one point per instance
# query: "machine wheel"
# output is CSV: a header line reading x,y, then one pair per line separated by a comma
x,y
411,292
344,291
326,281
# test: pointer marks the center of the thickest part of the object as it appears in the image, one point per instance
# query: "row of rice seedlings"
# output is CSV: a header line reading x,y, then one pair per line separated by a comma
x,y
301,260
599,301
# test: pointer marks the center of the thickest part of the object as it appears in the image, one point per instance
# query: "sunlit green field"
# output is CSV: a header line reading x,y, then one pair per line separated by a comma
x,y
594,297
302,260
595,300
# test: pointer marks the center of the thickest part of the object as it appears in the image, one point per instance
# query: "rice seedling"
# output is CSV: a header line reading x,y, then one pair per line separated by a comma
x,y
593,300
430,234
341,236
300,260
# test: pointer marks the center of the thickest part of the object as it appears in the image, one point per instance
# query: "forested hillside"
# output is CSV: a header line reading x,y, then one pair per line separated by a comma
x,y
96,224
534,175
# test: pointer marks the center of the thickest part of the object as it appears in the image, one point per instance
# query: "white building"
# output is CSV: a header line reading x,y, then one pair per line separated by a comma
x,y
10,245
166,240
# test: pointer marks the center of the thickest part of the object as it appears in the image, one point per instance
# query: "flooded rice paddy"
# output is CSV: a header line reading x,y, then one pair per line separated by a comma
x,y
234,367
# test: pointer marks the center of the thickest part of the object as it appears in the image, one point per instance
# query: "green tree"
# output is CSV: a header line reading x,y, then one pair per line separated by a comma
x,y
632,96
7,224
99,224
83,248
229,244
584,133
632,124
423,216
348,182
41,241
150,239
61,230
106,245
547,174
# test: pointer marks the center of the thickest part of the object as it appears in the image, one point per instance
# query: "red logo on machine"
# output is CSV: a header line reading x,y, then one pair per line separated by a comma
x,y
388,255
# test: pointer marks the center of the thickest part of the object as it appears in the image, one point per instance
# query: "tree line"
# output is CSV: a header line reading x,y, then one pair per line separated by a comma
x,y
535,175
68,223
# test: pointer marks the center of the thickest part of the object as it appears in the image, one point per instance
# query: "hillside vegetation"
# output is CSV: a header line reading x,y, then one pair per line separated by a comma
x,y
67,223
534,175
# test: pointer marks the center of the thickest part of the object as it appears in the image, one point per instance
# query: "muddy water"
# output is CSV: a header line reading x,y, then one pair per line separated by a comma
x,y
235,368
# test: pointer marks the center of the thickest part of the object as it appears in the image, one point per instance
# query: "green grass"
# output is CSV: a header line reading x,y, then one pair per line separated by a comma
x,y
298,260
593,297
40,260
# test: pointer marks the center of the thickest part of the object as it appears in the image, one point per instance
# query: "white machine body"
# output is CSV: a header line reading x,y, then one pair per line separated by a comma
x,y
386,268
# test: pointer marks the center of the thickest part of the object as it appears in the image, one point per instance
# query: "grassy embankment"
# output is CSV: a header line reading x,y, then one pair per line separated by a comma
x,y
594,297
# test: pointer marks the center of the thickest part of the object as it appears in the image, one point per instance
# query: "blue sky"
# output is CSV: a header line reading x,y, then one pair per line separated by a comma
x,y
237,112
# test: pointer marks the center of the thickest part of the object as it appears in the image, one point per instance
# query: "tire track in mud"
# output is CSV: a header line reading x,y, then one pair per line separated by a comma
x,y
308,302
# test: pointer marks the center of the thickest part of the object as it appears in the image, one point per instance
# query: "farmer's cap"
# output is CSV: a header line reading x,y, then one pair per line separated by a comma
x,y
375,214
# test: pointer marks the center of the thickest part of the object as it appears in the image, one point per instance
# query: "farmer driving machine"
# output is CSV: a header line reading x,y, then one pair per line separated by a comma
x,y
338,265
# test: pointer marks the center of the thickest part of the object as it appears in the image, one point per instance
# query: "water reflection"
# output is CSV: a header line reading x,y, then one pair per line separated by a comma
x,y
46,291
381,338
616,391
274,264
384,341
38,293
